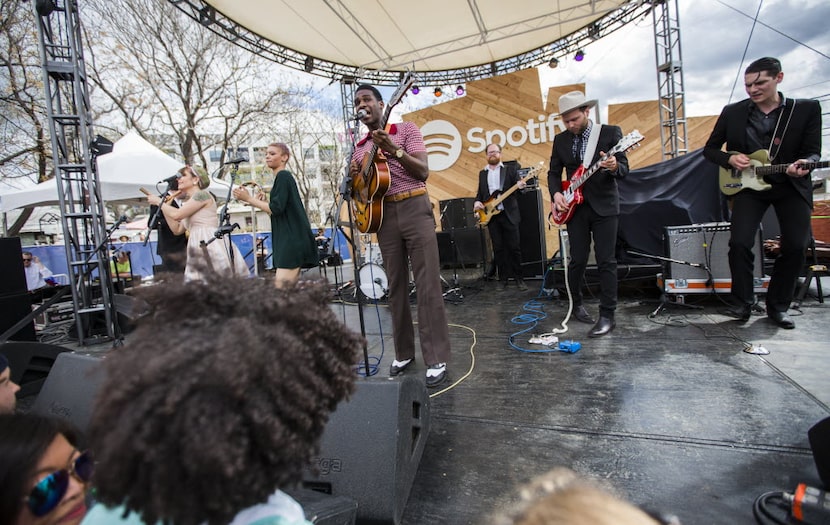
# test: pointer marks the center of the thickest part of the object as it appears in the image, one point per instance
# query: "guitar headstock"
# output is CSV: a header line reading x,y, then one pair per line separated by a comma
x,y
627,142
406,82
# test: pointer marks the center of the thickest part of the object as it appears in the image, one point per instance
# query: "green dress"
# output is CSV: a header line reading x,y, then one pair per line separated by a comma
x,y
291,237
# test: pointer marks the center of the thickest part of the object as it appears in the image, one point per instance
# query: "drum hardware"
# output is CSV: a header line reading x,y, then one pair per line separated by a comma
x,y
373,281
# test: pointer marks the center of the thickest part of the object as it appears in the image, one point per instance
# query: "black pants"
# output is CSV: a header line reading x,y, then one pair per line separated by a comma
x,y
507,253
585,223
793,212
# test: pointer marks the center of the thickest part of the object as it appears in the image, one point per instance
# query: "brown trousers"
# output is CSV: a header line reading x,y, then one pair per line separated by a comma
x,y
407,234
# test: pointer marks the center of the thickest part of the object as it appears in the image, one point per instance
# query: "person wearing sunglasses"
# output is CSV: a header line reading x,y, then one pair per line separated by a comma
x,y
36,273
209,429
43,476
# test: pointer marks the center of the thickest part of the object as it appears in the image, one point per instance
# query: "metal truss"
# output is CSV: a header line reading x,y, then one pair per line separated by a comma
x,y
670,78
79,191
206,15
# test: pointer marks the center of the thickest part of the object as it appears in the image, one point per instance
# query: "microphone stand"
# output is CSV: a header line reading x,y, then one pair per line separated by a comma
x,y
664,302
454,291
155,218
345,196
225,226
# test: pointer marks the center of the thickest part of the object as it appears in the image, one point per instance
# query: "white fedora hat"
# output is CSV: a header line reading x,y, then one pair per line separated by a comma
x,y
574,100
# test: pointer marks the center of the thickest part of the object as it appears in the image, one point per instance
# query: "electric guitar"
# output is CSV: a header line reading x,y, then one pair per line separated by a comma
x,y
733,180
372,182
572,188
491,204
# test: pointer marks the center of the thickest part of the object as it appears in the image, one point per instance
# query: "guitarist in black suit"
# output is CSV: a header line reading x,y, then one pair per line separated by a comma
x,y
599,214
504,226
790,129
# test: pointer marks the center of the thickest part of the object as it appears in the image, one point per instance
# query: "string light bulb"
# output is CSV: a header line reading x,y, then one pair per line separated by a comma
x,y
438,92
459,90
579,55
415,90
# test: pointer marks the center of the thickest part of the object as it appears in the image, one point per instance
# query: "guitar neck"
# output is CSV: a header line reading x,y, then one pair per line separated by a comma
x,y
781,168
590,171
506,193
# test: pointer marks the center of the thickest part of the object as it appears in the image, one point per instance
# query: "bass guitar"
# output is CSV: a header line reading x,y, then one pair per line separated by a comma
x,y
572,189
733,180
491,204
372,182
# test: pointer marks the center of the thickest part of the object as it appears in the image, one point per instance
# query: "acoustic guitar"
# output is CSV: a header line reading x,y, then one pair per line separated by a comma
x,y
733,180
491,204
572,189
373,180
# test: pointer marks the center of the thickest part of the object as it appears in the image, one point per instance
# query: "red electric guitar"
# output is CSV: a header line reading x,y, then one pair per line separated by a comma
x,y
372,183
571,189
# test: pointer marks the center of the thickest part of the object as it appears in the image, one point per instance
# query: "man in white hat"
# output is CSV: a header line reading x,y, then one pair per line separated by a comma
x,y
581,146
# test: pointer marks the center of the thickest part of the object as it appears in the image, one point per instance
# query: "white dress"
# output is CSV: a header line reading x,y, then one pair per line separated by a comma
x,y
201,226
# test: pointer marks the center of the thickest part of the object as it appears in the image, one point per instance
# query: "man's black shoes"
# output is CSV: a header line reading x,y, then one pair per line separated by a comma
x,y
582,315
398,367
604,325
741,312
781,319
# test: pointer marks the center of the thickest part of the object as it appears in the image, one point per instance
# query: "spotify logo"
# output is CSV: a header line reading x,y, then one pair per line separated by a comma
x,y
443,143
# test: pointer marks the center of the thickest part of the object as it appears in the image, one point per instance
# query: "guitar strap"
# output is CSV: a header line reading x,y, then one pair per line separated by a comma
x,y
593,140
777,139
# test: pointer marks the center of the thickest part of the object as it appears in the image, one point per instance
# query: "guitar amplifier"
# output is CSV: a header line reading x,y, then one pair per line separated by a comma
x,y
706,244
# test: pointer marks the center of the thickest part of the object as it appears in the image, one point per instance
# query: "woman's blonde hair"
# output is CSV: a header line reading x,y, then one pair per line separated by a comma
x,y
562,497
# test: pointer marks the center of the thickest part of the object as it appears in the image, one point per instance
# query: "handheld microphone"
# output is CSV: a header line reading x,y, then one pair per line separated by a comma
x,y
169,180
360,114
121,220
238,160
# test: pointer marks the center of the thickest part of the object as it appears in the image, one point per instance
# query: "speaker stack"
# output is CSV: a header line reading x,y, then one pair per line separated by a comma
x,y
15,301
532,231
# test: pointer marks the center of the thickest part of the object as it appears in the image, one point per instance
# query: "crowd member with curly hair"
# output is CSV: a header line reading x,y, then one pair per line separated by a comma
x,y
197,217
561,497
43,476
217,401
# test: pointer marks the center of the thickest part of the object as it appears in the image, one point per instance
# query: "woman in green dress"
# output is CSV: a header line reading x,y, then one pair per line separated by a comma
x,y
291,238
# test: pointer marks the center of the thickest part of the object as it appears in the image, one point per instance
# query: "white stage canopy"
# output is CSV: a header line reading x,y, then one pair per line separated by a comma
x,y
457,40
133,164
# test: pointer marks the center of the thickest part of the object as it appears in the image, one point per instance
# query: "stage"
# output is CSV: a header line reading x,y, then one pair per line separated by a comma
x,y
668,409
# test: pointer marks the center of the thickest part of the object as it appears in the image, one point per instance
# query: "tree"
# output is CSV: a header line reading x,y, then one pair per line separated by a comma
x,y
25,143
156,71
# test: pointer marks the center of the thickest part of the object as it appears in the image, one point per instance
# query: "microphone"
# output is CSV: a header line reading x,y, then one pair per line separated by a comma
x,y
121,220
169,180
238,160
360,114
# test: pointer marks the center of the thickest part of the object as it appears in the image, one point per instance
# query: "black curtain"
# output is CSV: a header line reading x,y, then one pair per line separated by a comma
x,y
674,192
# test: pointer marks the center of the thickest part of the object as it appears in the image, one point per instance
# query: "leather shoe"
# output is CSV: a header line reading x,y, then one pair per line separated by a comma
x,y
434,380
397,370
781,319
741,312
603,326
582,315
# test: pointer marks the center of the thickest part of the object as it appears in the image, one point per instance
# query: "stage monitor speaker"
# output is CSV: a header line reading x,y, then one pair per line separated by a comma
x,y
457,213
469,247
70,389
706,244
325,509
30,363
532,233
372,445
819,436
11,267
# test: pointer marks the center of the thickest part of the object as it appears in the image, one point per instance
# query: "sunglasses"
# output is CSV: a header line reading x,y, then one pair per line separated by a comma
x,y
49,491
27,259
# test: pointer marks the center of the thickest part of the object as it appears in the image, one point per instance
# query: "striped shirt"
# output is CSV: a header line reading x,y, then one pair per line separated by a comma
x,y
405,135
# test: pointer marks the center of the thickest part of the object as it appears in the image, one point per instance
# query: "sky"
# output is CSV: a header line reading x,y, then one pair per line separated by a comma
x,y
717,41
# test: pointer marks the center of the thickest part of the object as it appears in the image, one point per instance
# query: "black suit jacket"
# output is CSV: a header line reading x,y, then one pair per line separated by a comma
x,y
168,242
600,191
509,177
801,139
